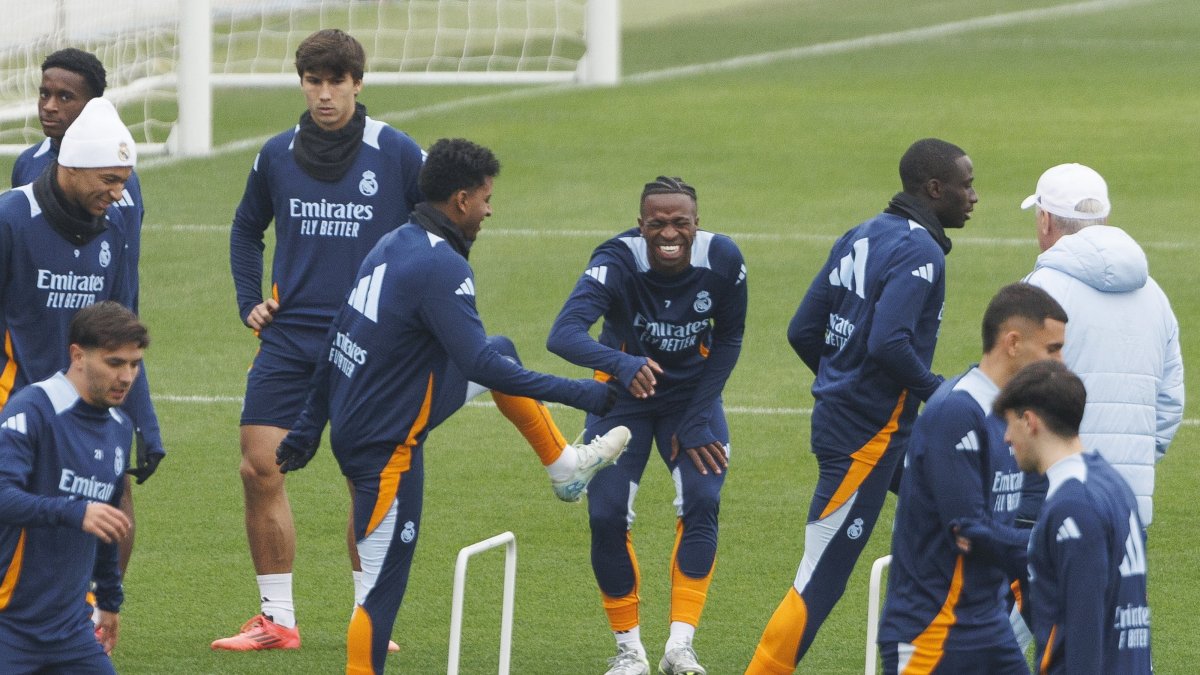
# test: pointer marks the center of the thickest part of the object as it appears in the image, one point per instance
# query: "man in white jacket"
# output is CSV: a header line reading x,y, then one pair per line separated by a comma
x,y
1122,337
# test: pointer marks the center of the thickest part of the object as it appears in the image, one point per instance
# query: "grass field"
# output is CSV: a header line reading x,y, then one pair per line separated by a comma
x,y
787,149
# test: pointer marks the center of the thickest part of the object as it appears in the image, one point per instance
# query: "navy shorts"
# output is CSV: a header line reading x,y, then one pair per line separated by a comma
x,y
276,389
88,660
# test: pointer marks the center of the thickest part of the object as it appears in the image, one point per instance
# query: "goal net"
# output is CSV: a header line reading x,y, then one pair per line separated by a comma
x,y
156,51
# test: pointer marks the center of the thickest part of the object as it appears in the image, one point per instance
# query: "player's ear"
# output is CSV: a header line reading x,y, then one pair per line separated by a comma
x,y
459,199
933,188
1011,340
1032,421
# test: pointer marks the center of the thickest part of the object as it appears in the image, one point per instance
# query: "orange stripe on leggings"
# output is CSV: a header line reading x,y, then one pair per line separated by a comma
x,y
930,644
8,376
864,460
14,572
1015,586
688,594
1044,666
400,462
780,642
358,643
623,611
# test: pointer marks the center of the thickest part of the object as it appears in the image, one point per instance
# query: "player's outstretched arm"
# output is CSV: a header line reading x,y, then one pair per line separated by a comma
x,y
453,319
569,337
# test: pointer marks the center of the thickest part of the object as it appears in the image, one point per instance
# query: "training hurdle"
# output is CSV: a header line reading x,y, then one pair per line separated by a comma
x,y
873,602
509,541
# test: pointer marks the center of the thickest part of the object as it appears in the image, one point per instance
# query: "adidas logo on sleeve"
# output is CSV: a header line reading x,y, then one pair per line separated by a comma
x,y
599,273
16,423
969,443
467,288
925,272
1068,530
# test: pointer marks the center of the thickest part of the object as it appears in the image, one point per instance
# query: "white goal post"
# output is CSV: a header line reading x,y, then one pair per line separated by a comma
x,y
165,57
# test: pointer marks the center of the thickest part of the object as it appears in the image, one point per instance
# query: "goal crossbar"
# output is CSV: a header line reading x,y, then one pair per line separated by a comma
x,y
163,65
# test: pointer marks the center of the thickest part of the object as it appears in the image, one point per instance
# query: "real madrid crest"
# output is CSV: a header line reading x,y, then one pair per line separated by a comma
x,y
368,185
119,461
409,532
123,152
856,529
703,302
105,254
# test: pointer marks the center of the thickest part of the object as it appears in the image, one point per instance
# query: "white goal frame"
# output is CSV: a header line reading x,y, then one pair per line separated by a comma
x,y
193,82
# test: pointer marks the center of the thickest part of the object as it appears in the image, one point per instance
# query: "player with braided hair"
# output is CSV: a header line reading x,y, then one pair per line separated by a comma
x,y
673,298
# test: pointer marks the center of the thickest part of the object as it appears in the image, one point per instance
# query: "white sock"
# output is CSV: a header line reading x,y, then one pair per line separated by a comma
x,y
276,593
360,593
564,466
681,635
630,639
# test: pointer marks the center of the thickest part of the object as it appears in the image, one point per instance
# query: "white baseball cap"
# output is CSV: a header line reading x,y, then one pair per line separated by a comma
x,y
97,138
1061,188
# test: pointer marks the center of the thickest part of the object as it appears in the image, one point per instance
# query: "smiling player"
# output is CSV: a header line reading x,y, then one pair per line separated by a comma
x,y
673,298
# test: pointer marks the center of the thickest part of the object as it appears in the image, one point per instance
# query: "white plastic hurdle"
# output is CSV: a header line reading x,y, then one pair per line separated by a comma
x,y
873,612
509,541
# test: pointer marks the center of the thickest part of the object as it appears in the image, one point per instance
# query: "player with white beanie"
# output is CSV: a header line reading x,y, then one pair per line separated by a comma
x,y
64,242
98,139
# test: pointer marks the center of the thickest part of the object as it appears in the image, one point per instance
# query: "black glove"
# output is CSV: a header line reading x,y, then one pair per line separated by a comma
x,y
147,459
295,452
610,397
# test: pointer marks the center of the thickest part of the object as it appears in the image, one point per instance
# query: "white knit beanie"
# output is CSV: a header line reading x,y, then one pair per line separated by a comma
x,y
97,138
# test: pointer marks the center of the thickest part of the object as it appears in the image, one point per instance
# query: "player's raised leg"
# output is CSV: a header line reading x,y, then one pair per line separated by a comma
x,y
570,466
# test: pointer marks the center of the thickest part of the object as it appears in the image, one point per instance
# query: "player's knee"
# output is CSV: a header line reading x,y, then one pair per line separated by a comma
x,y
504,346
611,522
702,506
260,476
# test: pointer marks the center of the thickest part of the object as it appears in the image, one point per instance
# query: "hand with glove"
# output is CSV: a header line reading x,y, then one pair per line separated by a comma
x,y
147,458
295,451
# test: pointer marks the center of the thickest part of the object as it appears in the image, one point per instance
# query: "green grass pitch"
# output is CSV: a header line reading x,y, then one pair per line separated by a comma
x,y
787,152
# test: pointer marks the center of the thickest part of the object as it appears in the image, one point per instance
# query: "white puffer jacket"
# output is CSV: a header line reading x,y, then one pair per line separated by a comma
x,y
1123,342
